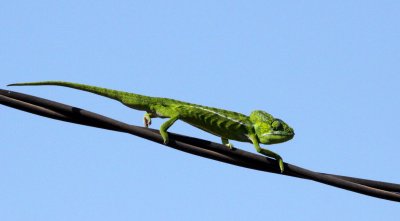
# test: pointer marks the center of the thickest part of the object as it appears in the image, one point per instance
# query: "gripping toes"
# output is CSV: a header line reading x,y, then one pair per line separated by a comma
x,y
226,143
165,137
280,162
147,119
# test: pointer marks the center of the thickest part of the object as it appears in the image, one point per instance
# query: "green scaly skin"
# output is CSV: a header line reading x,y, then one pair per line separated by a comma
x,y
259,127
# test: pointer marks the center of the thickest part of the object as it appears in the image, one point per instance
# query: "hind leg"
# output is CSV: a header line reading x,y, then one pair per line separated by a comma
x,y
164,127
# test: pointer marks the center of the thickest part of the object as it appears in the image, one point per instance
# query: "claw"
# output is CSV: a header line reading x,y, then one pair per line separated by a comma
x,y
166,140
230,146
147,122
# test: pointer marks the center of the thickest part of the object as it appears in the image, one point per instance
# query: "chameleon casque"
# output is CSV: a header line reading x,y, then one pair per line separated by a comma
x,y
259,127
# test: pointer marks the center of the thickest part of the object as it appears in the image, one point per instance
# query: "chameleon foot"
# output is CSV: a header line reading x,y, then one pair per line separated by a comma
x,y
147,120
226,143
280,162
275,156
230,146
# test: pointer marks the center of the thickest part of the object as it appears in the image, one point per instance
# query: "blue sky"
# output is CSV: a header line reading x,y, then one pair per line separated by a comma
x,y
329,69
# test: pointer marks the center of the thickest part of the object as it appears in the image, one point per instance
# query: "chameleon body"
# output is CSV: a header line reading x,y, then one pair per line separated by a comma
x,y
259,127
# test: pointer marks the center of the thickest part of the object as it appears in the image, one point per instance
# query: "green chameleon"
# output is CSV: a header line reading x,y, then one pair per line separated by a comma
x,y
259,127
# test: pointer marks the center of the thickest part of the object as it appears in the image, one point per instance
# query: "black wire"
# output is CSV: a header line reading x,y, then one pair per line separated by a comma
x,y
195,146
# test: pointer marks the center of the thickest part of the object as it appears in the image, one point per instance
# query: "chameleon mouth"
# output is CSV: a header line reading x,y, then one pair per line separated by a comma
x,y
278,136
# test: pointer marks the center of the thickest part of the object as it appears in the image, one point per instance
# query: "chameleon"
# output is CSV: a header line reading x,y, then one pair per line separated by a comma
x,y
258,127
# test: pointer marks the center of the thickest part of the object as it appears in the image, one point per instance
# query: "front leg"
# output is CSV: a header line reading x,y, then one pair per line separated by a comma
x,y
164,127
266,152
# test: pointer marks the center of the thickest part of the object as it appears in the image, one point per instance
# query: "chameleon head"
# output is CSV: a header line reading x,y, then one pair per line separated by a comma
x,y
270,130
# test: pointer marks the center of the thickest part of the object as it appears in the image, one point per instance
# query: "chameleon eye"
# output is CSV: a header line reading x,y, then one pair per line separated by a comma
x,y
277,125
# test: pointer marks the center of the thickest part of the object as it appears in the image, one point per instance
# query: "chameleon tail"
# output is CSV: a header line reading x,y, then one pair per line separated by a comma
x,y
113,94
135,101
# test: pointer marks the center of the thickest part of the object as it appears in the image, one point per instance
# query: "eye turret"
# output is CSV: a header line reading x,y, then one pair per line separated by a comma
x,y
277,125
